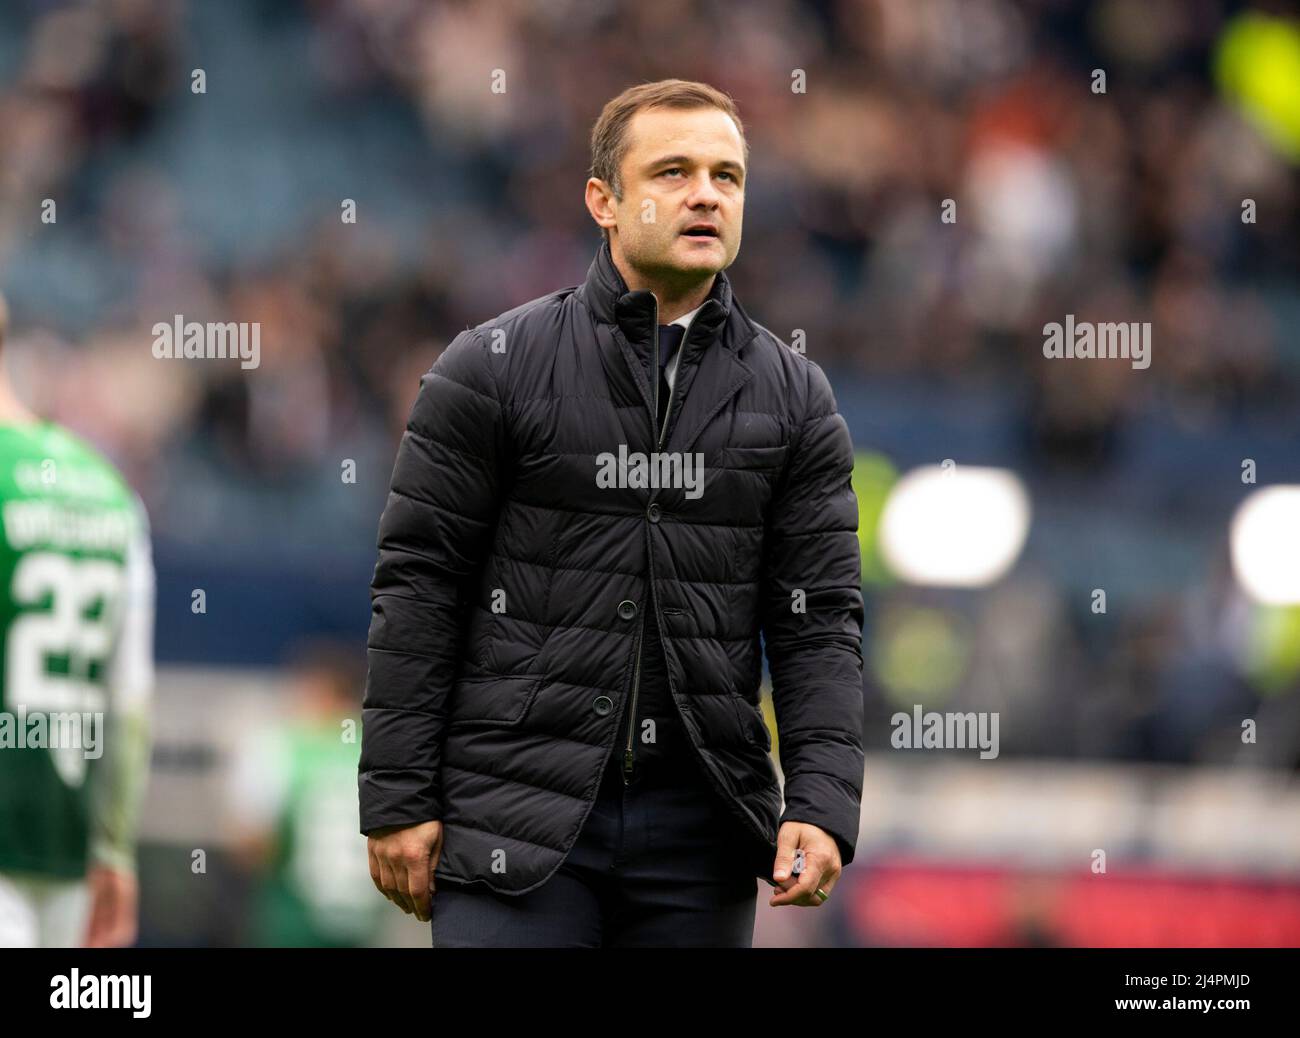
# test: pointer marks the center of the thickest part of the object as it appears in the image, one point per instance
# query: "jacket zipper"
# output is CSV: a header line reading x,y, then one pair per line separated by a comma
x,y
628,759
629,755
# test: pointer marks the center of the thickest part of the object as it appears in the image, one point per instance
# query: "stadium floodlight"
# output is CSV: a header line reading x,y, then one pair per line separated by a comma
x,y
954,525
1264,539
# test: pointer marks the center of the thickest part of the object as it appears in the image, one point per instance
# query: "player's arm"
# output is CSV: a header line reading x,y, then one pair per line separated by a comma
x,y
434,534
119,781
119,785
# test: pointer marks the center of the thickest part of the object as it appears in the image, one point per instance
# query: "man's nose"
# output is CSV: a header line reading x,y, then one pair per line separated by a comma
x,y
703,190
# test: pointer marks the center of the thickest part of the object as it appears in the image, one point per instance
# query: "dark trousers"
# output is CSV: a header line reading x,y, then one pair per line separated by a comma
x,y
659,863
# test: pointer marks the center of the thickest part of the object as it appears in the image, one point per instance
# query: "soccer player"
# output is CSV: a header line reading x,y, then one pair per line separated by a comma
x,y
76,677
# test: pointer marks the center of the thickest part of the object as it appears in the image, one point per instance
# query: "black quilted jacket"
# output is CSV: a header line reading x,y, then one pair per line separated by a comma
x,y
508,596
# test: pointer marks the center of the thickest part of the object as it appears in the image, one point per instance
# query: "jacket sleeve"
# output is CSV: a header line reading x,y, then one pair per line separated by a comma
x,y
814,641
434,534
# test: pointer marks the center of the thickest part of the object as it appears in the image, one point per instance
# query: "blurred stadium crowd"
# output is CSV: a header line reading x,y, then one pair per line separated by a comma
x,y
1125,205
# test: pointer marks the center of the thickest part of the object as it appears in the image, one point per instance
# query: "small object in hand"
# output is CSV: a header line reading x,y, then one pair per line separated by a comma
x,y
797,867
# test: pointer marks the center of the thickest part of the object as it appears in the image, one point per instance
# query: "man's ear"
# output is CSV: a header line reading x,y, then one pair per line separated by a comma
x,y
600,203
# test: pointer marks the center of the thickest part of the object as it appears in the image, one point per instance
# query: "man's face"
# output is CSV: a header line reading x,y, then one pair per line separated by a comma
x,y
685,167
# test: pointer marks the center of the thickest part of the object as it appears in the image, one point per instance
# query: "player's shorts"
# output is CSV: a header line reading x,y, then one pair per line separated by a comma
x,y
36,912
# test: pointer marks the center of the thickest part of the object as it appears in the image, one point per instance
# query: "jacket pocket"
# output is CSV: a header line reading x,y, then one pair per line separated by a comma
x,y
497,699
753,458
751,721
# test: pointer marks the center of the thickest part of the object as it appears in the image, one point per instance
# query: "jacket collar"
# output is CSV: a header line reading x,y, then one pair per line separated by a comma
x,y
707,376
606,294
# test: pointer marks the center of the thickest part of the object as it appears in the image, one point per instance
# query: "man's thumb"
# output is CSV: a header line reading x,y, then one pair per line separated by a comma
x,y
433,861
786,842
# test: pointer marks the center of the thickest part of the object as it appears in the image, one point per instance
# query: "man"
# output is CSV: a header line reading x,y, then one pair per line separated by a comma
x,y
561,739
76,639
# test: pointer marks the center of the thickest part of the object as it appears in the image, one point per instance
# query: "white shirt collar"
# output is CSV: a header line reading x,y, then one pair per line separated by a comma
x,y
685,319
670,369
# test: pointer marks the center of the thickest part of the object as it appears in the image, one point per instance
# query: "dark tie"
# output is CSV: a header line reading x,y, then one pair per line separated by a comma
x,y
670,337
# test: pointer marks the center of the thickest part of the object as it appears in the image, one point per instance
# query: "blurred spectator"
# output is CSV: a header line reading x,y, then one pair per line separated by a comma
x,y
293,798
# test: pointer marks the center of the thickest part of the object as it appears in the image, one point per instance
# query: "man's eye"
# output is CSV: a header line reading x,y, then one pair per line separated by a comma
x,y
723,173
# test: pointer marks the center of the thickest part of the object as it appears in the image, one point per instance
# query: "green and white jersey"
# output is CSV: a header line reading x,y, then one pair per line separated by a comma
x,y
297,782
76,619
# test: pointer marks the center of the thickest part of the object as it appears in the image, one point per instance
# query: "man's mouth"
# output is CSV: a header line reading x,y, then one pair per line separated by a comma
x,y
701,232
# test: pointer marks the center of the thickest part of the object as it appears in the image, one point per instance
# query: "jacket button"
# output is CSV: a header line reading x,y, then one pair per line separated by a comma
x,y
627,609
652,513
602,705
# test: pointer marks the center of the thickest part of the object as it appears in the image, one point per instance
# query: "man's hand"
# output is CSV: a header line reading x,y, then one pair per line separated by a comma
x,y
402,860
113,896
821,864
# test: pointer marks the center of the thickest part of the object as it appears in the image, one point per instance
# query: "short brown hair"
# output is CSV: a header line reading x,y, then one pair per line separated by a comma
x,y
609,140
